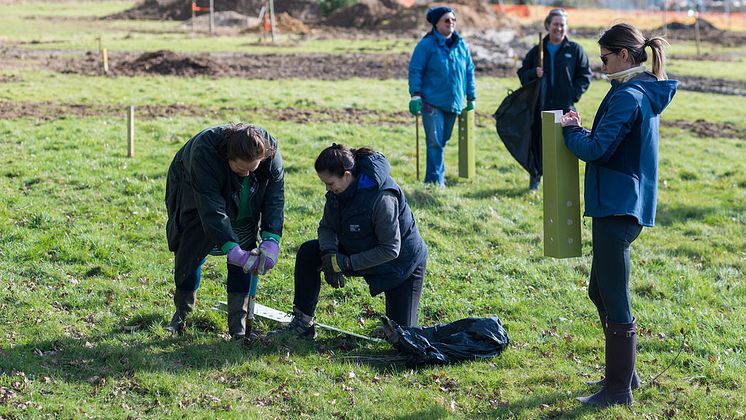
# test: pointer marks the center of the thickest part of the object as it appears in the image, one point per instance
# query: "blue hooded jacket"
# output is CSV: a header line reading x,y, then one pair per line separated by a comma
x,y
442,75
621,150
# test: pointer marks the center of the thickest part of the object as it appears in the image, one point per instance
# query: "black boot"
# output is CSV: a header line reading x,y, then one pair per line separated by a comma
x,y
533,182
301,325
184,303
238,308
621,349
635,380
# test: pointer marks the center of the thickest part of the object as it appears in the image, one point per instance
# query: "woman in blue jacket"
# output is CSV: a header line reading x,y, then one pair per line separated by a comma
x,y
621,177
441,73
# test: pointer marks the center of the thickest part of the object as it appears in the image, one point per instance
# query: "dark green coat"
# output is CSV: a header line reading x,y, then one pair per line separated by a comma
x,y
202,198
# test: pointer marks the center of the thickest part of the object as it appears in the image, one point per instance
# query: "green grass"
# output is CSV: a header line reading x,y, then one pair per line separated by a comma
x,y
83,254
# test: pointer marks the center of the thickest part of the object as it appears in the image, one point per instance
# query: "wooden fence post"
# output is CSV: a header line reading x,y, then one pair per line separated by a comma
x,y
131,131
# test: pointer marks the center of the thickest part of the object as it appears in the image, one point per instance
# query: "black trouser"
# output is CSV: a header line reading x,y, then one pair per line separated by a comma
x,y
609,284
402,301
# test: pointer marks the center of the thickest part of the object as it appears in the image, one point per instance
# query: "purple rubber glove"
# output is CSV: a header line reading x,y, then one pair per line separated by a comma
x,y
267,257
239,257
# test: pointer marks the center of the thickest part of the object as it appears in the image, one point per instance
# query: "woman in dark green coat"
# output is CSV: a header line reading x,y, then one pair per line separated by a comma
x,y
225,187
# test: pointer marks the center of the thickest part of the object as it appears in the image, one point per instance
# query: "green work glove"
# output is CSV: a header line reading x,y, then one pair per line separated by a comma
x,y
415,105
470,105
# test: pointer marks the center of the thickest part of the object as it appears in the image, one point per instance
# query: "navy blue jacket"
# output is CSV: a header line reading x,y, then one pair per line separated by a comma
x,y
442,75
349,216
621,150
572,74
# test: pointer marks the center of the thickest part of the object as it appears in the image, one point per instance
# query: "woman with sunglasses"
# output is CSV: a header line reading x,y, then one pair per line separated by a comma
x,y
441,73
621,177
564,73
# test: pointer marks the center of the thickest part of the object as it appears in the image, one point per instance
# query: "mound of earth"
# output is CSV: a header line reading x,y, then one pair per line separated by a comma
x,y
284,23
391,15
704,25
170,63
306,10
223,19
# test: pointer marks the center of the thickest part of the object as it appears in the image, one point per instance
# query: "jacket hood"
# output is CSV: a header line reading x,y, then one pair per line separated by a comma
x,y
375,166
659,92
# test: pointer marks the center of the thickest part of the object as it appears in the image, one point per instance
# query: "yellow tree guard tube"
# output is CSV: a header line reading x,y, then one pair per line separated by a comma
x,y
561,191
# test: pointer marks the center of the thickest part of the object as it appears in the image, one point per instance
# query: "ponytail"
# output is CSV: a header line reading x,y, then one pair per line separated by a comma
x,y
624,36
656,44
338,159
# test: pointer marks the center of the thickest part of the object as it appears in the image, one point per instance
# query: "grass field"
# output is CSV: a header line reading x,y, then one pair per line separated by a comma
x,y
83,255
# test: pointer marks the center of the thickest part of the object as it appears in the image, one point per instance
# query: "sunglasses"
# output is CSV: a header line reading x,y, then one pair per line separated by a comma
x,y
449,20
604,59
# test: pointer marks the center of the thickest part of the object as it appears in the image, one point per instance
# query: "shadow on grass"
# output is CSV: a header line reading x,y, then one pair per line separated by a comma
x,y
498,192
543,402
434,412
667,215
120,354
420,198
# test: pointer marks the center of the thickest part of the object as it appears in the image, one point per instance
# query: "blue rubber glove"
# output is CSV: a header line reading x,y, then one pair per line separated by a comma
x,y
470,105
415,105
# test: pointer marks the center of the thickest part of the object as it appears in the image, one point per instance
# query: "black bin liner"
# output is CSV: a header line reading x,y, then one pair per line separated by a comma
x,y
465,339
517,121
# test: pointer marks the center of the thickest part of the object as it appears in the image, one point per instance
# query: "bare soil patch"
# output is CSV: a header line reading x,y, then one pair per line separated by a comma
x,y
706,129
387,15
251,66
47,111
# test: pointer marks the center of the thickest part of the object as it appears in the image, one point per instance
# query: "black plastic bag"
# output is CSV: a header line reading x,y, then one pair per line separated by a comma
x,y
517,123
465,339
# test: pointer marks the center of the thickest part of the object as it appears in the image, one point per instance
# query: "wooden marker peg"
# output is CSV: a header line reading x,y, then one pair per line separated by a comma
x,y
131,131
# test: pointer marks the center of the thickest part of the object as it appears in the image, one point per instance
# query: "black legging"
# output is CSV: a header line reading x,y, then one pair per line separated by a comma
x,y
609,284
402,301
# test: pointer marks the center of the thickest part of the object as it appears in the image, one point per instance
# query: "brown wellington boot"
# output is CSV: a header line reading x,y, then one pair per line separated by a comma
x,y
238,308
184,302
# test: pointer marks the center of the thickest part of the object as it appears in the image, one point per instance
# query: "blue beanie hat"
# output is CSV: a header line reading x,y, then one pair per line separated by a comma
x,y
435,13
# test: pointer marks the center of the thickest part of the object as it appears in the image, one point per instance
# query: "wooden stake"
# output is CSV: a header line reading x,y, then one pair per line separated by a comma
x,y
105,60
131,131
417,144
272,18
541,50
696,32
212,15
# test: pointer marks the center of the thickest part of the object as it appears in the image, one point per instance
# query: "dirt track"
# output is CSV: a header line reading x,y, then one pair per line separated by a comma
x,y
46,111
